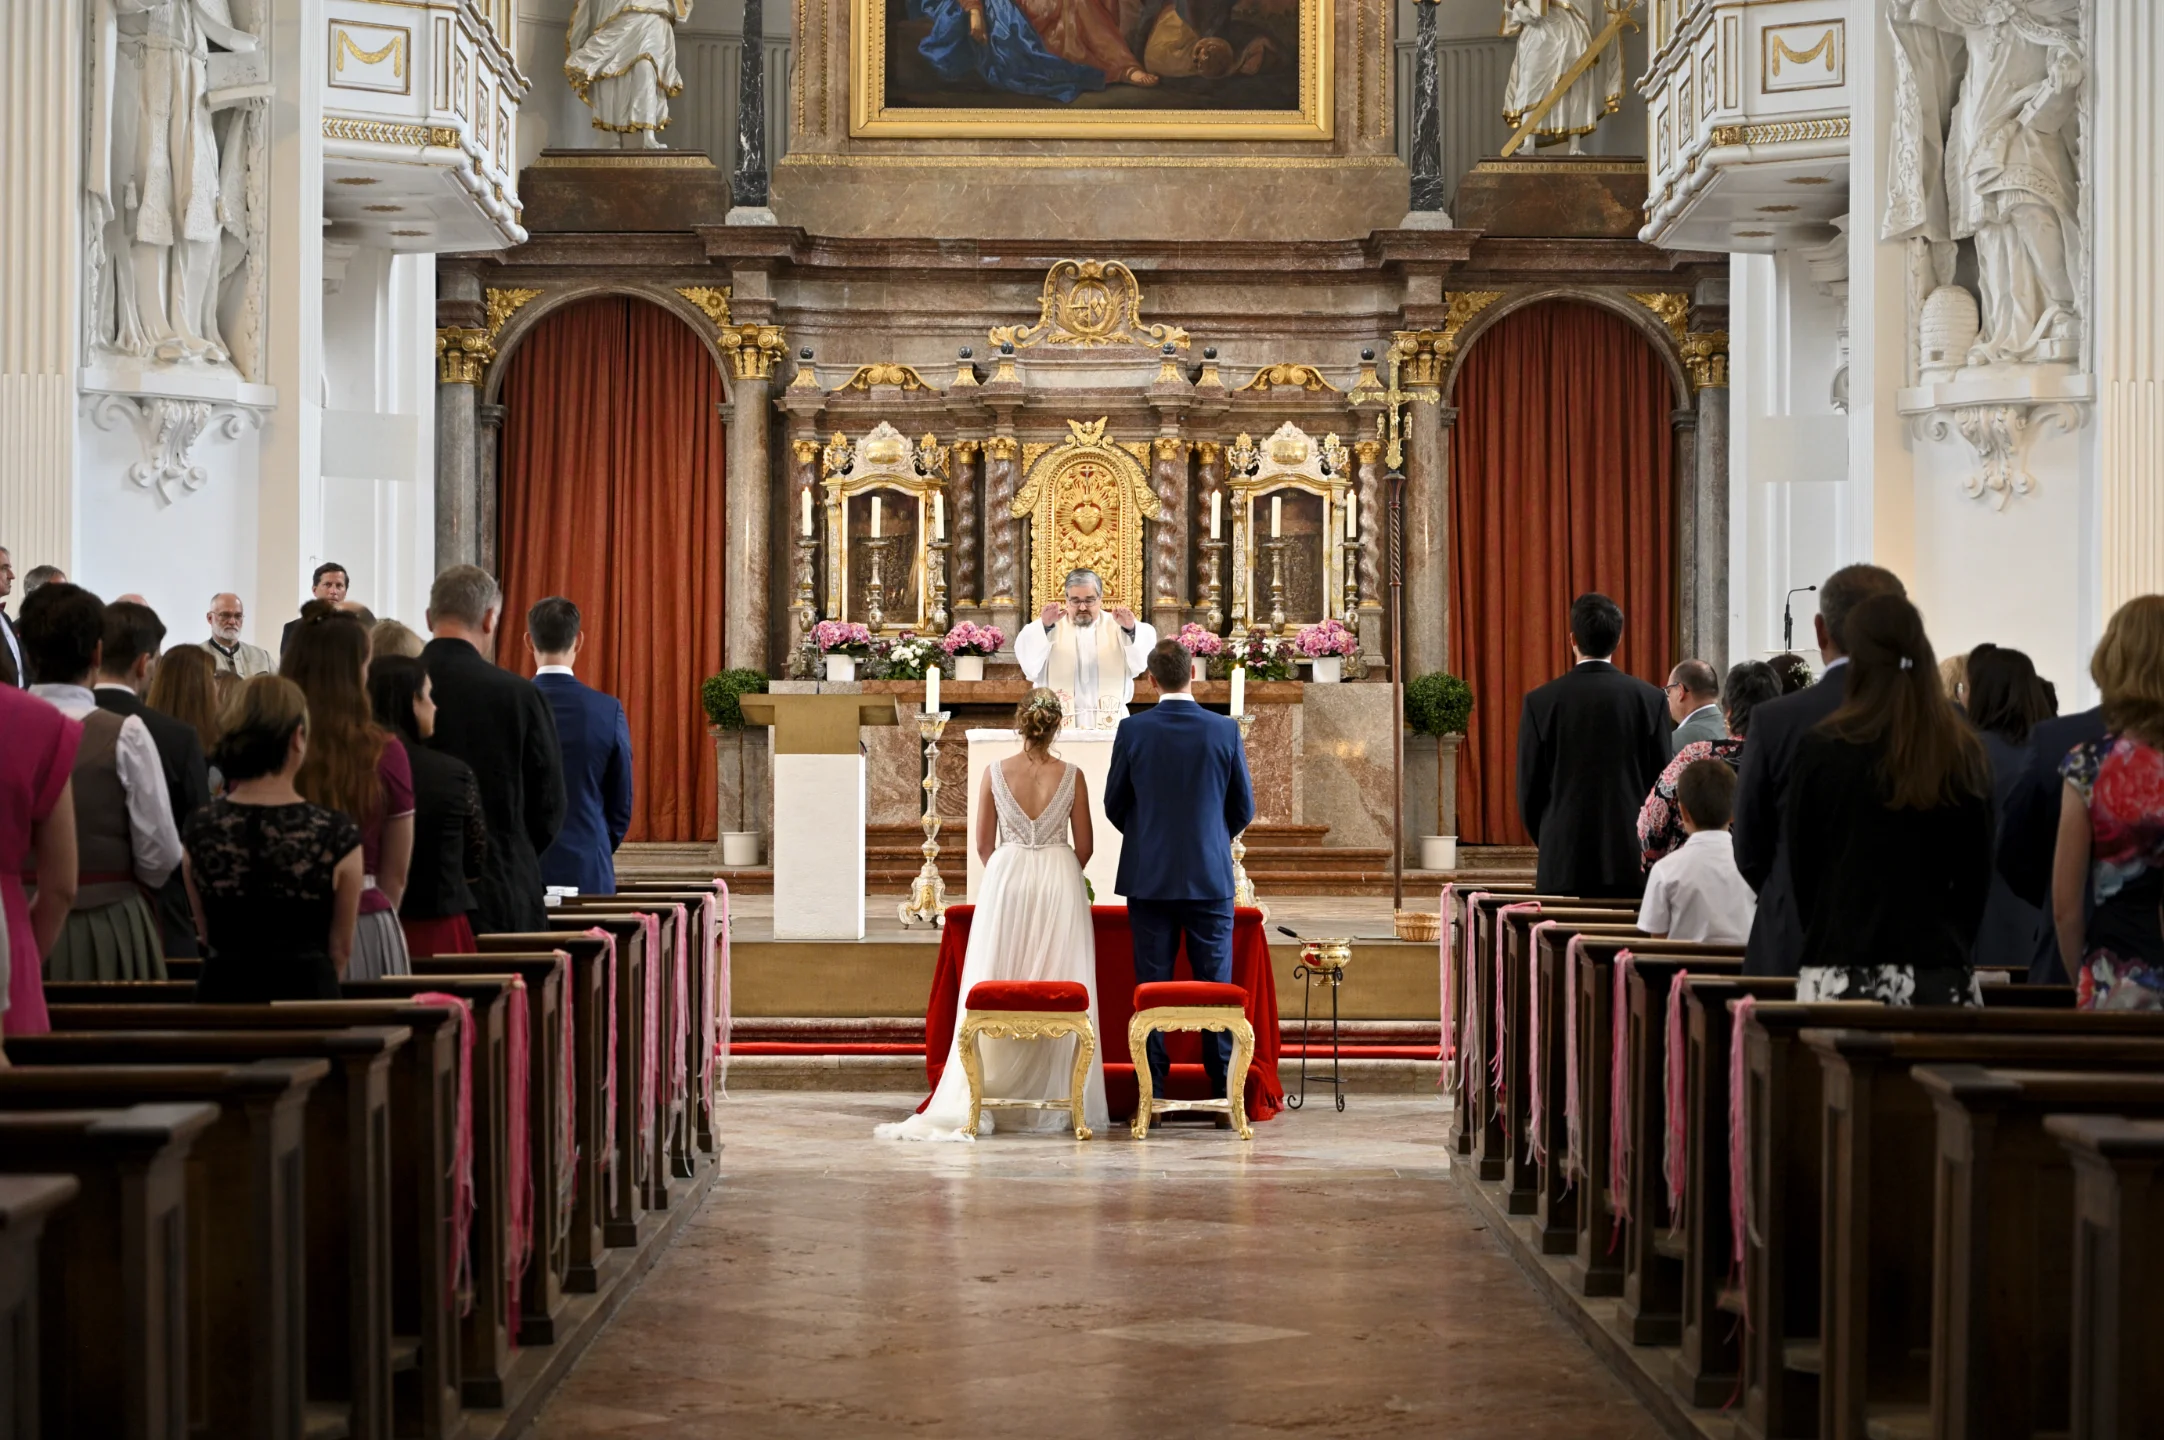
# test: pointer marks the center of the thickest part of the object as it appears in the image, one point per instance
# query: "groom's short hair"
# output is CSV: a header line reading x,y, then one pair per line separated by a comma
x,y
1170,665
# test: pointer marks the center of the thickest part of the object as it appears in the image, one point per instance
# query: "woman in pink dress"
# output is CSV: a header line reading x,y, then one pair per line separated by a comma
x,y
37,831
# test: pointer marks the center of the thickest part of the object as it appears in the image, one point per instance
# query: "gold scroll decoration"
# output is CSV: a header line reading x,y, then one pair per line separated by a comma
x,y
1704,353
1304,378
1086,500
1089,303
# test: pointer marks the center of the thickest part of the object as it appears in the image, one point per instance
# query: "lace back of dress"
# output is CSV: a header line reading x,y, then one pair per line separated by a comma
x,y
1015,826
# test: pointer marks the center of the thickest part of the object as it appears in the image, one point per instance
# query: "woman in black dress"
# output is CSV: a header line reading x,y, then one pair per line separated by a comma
x,y
275,881
2005,702
450,839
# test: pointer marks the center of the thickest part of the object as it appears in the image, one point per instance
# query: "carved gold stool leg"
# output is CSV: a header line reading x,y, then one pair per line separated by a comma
x,y
973,1068
1085,1045
1138,1041
1192,1017
1027,1025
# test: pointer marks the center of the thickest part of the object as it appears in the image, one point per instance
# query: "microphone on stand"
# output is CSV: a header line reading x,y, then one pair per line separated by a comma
x,y
1788,617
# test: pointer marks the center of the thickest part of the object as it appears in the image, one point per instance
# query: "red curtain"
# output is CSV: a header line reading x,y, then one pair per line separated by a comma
x,y
612,495
1562,480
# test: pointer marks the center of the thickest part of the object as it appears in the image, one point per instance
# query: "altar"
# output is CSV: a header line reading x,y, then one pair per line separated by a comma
x,y
1091,752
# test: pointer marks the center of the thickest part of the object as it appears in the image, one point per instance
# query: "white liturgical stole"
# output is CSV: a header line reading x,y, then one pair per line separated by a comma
x,y
1088,662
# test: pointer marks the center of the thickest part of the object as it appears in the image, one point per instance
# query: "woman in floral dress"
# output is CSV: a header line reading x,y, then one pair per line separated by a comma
x,y
1750,683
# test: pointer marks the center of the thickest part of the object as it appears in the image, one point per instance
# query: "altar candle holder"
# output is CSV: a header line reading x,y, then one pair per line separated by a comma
x,y
1352,582
927,902
1276,549
1214,597
807,606
1243,889
875,587
936,558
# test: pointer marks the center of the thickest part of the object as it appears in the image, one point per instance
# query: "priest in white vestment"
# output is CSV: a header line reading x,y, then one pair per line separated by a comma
x,y
1088,655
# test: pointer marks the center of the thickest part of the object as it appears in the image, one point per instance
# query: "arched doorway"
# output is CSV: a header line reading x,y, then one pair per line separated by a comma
x,y
1562,480
611,494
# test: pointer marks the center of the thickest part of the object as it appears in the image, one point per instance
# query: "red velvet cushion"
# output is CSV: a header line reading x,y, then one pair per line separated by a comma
x,y
1028,995
1188,992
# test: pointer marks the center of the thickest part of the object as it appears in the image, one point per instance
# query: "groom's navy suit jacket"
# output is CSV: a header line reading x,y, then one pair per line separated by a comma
x,y
1178,793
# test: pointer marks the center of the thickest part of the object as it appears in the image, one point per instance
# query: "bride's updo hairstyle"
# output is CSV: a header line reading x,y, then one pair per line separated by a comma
x,y
1038,720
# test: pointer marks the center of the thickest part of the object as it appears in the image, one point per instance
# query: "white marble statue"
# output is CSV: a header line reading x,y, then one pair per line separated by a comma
x,y
1552,36
622,63
165,177
1987,119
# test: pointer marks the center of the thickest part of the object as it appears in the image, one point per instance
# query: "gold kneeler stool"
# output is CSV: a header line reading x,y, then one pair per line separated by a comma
x,y
1027,1010
1191,1005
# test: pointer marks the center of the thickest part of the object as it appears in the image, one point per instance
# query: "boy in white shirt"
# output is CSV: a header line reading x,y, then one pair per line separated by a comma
x,y
1696,892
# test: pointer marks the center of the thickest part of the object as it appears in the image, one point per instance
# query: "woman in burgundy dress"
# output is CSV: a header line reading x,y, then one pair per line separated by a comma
x,y
37,833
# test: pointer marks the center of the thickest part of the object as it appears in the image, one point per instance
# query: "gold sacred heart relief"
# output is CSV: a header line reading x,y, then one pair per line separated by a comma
x,y
1088,516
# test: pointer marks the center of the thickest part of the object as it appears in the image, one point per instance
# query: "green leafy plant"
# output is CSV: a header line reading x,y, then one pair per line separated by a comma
x,y
1438,704
721,693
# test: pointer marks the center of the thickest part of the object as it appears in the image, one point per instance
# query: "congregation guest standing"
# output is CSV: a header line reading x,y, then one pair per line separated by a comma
x,y
1694,892
1590,745
356,766
497,723
2005,702
1694,696
1777,728
1889,826
2111,826
1751,683
276,881
234,656
595,741
1177,792
1794,673
125,843
185,688
328,585
13,671
450,838
388,637
133,636
37,838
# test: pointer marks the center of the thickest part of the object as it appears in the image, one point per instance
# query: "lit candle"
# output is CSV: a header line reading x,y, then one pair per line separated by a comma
x,y
875,517
1352,516
931,691
1239,690
1277,515
939,514
1217,507
807,522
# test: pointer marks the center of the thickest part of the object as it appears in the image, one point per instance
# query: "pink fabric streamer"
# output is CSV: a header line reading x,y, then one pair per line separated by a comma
x,y
462,1206
1469,1039
1534,1112
1619,1093
518,1060
1502,939
1449,1045
650,1044
608,1051
1573,1139
1739,1175
567,1149
1673,1154
716,1051
680,1034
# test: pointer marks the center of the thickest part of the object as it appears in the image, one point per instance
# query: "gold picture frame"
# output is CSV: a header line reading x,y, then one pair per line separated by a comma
x,y
1146,115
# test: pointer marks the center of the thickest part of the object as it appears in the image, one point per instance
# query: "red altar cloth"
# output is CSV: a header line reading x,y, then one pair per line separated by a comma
x,y
1116,1006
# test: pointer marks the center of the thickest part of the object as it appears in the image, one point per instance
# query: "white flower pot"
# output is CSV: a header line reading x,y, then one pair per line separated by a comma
x,y
1438,852
969,667
841,667
1329,669
1199,668
739,849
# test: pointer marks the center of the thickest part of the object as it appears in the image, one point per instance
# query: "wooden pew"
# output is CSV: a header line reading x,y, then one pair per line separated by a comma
x,y
1478,1128
708,999
626,1185
2118,1273
2002,1305
346,1179
541,1282
27,1202
1879,1128
111,1286
424,1187
669,1105
246,1240
1546,1149
1463,917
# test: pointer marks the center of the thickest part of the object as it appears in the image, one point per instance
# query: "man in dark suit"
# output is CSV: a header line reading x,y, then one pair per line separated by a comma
x,y
497,723
596,747
1777,728
328,583
133,637
13,669
1178,792
1591,744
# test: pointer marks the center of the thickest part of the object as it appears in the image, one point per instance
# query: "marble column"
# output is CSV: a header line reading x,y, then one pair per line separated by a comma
x,y
1427,159
1209,480
1690,621
965,535
1427,538
748,512
487,486
1709,550
458,388
747,185
2126,152
1168,537
1370,491
1009,599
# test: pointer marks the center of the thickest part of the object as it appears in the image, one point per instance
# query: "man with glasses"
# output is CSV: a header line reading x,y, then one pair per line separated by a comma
x,y
1694,694
1090,663
228,651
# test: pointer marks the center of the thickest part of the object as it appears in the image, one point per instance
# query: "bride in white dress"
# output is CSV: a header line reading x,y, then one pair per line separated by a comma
x,y
1032,923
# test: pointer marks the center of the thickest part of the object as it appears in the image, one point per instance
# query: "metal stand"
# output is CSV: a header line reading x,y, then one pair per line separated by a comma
x,y
1277,584
1352,583
1214,598
927,902
1243,889
1322,962
807,607
937,560
875,587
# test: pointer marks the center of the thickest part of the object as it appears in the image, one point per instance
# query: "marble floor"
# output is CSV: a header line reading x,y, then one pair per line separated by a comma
x,y
1325,1279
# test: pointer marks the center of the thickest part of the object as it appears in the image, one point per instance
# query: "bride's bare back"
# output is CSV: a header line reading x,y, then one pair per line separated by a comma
x,y
1033,779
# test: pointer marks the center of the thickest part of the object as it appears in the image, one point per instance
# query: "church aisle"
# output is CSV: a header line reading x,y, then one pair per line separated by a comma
x,y
837,1286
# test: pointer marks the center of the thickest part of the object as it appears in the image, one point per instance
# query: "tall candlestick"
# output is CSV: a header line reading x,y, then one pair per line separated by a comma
x,y
939,514
1352,513
1239,690
1217,506
875,517
1277,515
931,690
806,525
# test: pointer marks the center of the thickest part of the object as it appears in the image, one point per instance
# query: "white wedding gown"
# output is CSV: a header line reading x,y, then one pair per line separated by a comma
x,y
1032,923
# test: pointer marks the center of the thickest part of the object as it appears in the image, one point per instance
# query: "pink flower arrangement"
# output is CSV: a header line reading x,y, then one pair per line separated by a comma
x,y
1329,638
967,638
1200,643
841,637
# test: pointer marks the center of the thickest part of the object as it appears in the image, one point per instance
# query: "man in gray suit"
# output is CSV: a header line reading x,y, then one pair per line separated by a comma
x,y
1693,695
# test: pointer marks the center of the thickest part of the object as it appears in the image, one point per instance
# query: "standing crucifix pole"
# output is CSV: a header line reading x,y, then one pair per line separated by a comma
x,y
1396,481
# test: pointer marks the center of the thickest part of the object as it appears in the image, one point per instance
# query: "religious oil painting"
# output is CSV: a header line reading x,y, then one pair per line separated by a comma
x,y
1092,69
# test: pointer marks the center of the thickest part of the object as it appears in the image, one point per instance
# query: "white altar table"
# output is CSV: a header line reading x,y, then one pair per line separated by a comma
x,y
1091,752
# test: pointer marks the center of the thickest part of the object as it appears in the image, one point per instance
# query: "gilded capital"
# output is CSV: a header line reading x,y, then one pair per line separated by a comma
x,y
752,350
1368,451
1001,447
1209,451
1705,358
805,451
966,450
462,355
1170,447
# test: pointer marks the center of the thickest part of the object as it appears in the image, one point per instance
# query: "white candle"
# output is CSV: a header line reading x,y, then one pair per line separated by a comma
x,y
1217,506
1352,516
1277,515
931,691
1239,690
807,522
875,517
939,514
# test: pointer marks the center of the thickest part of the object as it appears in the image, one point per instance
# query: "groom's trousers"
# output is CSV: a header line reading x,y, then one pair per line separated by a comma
x,y
1157,927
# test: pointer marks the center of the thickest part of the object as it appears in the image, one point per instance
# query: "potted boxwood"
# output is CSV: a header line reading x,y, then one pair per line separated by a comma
x,y
843,643
721,696
970,644
1439,704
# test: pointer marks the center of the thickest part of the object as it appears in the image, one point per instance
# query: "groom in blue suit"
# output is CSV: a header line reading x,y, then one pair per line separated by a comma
x,y
1178,792
595,740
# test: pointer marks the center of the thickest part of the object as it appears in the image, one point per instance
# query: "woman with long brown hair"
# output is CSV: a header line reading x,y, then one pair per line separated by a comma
x,y
184,686
1889,826
357,766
